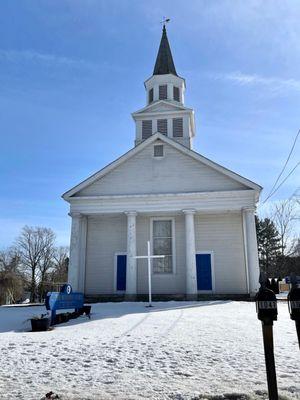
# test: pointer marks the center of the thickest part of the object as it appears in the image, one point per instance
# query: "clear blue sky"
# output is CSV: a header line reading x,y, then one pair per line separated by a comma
x,y
72,71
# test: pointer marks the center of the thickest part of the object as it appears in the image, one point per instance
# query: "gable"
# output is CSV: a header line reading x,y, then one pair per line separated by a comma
x,y
176,172
159,106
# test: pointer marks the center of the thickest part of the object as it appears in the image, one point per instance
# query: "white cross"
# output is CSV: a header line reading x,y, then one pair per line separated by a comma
x,y
149,257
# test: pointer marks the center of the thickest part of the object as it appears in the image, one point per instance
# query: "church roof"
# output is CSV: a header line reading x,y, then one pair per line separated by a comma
x,y
164,61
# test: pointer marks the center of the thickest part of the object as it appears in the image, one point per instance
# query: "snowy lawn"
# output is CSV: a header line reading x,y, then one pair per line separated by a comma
x,y
176,350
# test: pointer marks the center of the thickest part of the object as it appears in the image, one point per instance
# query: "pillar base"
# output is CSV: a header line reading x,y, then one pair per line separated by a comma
x,y
130,297
191,297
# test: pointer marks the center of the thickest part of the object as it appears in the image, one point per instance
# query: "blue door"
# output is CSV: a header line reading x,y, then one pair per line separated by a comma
x,y
121,272
204,277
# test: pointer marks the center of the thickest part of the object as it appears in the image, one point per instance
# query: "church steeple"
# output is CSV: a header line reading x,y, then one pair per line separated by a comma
x,y
164,61
165,111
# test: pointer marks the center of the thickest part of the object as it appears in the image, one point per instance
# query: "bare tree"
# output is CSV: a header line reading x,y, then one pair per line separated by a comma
x,y
61,264
46,263
284,215
34,246
11,280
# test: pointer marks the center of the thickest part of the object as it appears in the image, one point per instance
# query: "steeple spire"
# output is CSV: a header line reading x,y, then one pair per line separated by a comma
x,y
164,61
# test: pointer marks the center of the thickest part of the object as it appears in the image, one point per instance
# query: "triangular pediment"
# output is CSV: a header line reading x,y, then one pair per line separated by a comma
x,y
181,170
161,106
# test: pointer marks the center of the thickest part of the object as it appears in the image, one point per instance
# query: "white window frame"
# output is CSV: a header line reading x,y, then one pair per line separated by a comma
x,y
213,277
118,253
172,219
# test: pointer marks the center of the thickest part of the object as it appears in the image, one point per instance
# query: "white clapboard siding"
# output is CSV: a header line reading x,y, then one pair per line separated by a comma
x,y
222,233
173,173
106,236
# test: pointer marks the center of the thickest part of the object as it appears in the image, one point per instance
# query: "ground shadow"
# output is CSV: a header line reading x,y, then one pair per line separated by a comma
x,y
17,319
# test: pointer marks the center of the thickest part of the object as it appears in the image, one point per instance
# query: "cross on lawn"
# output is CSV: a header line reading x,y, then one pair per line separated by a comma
x,y
149,257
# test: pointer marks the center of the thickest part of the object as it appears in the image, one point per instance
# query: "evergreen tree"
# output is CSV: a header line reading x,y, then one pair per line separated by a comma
x,y
268,241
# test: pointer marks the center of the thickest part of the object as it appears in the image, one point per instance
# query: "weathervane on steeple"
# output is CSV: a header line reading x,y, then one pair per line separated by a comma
x,y
164,61
164,21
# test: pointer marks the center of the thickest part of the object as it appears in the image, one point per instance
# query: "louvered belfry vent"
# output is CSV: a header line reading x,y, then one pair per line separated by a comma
x,y
177,127
162,126
176,93
150,99
146,129
163,92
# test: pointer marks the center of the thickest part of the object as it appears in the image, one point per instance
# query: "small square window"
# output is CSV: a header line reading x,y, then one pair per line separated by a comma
x,y
158,150
150,99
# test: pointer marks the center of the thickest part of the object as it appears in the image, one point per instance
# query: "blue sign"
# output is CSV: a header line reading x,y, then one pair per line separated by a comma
x,y
65,299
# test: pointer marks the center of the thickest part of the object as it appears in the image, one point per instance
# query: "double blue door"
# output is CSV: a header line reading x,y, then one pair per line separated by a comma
x,y
204,271
121,272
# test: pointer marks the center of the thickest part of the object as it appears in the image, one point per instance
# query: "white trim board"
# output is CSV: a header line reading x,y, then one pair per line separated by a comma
x,y
172,107
173,203
171,142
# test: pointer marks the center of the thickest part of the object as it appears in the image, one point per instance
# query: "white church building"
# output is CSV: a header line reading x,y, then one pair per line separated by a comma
x,y
195,212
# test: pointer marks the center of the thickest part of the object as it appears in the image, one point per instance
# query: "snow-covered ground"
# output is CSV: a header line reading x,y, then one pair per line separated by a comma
x,y
175,350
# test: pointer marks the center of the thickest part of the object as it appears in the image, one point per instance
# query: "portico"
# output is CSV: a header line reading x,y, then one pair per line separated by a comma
x,y
133,228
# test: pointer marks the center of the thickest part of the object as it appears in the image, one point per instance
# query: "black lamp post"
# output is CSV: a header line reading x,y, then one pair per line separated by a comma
x,y
266,308
294,304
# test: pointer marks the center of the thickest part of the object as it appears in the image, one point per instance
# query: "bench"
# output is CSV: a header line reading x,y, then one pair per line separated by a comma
x,y
63,300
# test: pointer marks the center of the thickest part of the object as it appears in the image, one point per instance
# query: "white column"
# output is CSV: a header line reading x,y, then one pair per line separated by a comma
x,y
76,272
131,253
154,126
155,93
170,127
170,91
250,239
191,275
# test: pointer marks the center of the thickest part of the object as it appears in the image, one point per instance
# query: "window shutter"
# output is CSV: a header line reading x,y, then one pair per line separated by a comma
x,y
150,99
158,150
176,93
146,129
177,127
162,126
163,92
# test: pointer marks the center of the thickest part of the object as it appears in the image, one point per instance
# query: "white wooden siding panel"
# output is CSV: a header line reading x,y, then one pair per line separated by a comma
x,y
175,172
106,236
224,236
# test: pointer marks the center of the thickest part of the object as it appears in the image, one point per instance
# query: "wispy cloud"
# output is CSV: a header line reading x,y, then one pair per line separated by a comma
x,y
275,84
23,56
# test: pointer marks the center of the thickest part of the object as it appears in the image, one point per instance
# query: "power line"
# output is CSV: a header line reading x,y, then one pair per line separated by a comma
x,y
283,168
290,173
